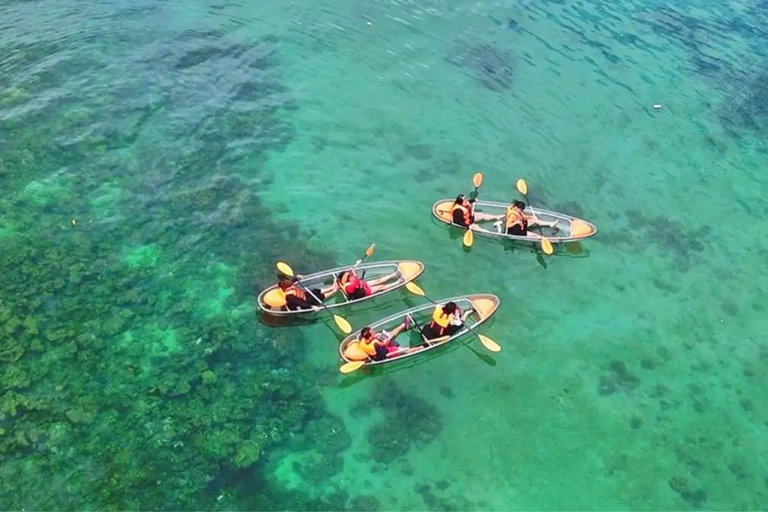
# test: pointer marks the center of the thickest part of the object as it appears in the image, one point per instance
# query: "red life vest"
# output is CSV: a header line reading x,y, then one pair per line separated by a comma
x,y
351,283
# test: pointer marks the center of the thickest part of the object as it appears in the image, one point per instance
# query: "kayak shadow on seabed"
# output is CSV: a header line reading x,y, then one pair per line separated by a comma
x,y
285,321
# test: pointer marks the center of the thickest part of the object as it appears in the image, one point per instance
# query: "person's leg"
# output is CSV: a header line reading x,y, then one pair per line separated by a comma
x,y
316,296
383,279
538,221
481,217
381,352
397,330
380,288
359,293
329,291
428,333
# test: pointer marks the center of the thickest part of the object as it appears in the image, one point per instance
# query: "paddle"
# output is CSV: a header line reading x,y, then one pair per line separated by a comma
x,y
477,180
469,236
350,367
485,340
340,322
546,245
368,254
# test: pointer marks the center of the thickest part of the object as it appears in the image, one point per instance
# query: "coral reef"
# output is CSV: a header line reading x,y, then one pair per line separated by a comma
x,y
408,419
134,372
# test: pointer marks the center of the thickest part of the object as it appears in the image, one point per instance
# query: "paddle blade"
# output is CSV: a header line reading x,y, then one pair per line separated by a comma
x,y
284,268
522,187
477,179
469,238
414,288
369,251
489,343
546,246
350,367
343,324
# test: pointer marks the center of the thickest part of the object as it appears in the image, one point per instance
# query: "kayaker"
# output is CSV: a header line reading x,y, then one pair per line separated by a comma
x,y
518,222
461,210
355,288
446,321
378,346
296,298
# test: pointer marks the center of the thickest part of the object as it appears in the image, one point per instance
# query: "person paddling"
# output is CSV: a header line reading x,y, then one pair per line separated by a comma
x,y
379,346
296,298
518,222
461,210
355,287
447,320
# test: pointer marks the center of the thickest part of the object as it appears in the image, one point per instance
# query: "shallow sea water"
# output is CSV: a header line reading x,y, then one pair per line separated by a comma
x,y
157,160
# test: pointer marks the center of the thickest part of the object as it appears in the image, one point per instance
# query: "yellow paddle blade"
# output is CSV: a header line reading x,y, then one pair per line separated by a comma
x,y
477,179
284,268
546,246
350,367
489,343
343,324
369,251
469,237
522,186
414,288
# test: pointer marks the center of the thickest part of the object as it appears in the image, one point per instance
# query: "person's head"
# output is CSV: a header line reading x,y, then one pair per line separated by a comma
x,y
366,333
450,308
342,277
284,281
460,199
519,205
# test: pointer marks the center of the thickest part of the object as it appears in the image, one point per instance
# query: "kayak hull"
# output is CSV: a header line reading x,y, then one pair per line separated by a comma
x,y
485,303
271,302
569,228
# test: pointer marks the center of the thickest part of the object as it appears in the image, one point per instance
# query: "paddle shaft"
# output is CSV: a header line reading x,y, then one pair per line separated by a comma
x,y
463,323
535,246
419,328
362,276
298,281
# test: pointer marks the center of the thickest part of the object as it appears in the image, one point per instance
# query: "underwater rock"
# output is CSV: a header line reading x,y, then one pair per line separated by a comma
x,y
14,378
490,65
619,378
364,503
419,151
208,377
10,350
413,419
79,415
247,454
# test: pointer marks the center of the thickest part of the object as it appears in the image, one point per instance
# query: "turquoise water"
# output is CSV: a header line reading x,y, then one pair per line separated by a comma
x,y
157,160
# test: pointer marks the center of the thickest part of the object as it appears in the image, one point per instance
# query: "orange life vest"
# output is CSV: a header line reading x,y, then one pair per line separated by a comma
x,y
515,216
441,320
368,345
293,290
465,212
